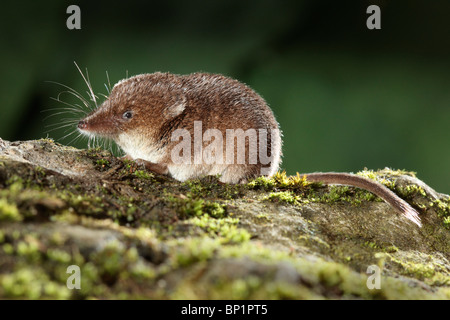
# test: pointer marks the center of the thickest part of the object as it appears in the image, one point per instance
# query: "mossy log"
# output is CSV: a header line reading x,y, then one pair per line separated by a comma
x,y
137,234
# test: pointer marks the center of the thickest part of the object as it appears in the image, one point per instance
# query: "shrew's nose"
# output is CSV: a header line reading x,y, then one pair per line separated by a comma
x,y
82,124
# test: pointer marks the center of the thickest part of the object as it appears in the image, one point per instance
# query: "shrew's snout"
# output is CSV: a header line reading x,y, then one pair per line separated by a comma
x,y
82,125
97,124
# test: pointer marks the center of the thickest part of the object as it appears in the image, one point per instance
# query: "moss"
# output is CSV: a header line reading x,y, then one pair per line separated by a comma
x,y
336,193
254,287
9,211
142,174
31,283
8,248
225,229
262,182
264,216
103,163
142,272
339,280
386,177
97,152
40,171
192,207
110,261
196,188
47,141
442,207
280,181
421,267
189,206
59,256
284,181
410,191
16,184
332,275
348,194
215,210
193,250
131,211
313,241
374,175
210,187
29,249
281,196
85,204
391,249
447,222
297,190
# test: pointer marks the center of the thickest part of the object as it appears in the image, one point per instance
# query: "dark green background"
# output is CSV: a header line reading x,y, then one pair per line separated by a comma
x,y
346,97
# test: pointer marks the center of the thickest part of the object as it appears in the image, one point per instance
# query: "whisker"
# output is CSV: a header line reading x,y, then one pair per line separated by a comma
x,y
59,113
68,135
55,126
78,136
95,97
67,115
60,127
66,119
73,92
62,110
109,83
77,95
63,120
74,106
87,83
62,124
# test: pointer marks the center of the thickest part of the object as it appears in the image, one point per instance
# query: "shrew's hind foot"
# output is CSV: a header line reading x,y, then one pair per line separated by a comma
x,y
154,167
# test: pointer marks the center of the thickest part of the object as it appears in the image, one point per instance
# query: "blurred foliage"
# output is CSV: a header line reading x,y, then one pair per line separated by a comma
x,y
346,97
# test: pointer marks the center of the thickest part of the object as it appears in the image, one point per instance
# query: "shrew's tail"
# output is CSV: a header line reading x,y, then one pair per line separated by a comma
x,y
380,190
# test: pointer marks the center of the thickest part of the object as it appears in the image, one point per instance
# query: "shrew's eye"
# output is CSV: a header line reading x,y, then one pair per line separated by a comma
x,y
127,115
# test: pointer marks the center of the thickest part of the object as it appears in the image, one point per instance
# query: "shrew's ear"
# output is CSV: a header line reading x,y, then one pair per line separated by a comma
x,y
176,108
